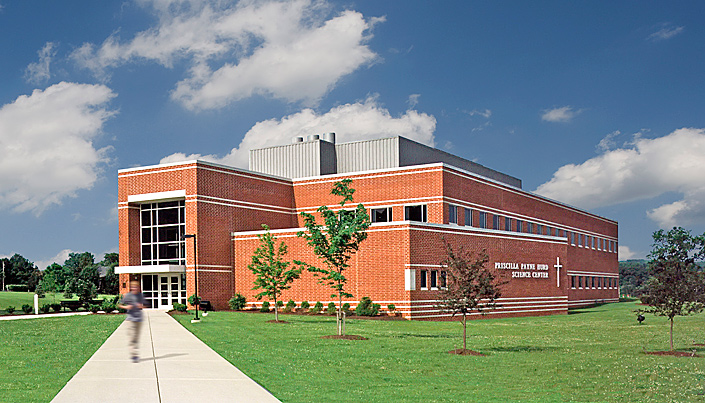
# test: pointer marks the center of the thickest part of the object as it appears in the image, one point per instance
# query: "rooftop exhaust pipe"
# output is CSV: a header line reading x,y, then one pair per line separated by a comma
x,y
329,137
297,139
312,137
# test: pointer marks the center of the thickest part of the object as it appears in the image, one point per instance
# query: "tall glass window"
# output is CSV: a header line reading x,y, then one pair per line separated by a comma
x,y
452,214
162,225
468,217
483,219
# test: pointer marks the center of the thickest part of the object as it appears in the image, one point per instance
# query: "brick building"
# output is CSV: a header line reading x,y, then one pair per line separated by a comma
x,y
553,256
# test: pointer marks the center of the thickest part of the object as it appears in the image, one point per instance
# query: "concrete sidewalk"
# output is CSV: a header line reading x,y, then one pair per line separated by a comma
x,y
174,366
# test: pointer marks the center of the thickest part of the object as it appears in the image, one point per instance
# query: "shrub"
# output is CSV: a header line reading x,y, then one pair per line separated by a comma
x,y
280,304
331,308
10,309
391,308
290,306
122,310
367,308
237,302
265,307
194,300
107,306
179,307
316,308
26,308
94,308
45,308
346,309
305,305
56,307
73,308
17,287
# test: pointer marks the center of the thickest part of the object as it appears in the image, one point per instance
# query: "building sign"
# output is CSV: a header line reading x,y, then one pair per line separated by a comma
x,y
524,270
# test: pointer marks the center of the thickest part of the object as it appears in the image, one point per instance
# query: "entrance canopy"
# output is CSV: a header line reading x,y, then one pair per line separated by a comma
x,y
157,268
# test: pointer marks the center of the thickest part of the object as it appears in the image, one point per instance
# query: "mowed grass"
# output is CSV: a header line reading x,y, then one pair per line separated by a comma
x,y
17,299
39,356
591,355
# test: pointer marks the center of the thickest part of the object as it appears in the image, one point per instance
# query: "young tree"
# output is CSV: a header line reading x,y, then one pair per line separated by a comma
x,y
335,242
676,286
109,284
469,285
273,273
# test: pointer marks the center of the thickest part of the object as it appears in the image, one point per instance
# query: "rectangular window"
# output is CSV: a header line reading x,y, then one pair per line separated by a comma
x,y
529,227
572,281
483,219
452,214
599,282
580,240
539,229
592,240
434,279
592,282
572,238
507,224
468,217
520,224
415,213
443,279
162,225
423,279
587,242
495,221
383,214
580,281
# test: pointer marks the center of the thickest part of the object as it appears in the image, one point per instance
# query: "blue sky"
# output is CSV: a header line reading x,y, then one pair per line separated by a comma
x,y
597,104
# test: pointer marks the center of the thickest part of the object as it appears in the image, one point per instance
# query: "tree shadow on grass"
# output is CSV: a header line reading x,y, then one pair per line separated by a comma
x,y
522,349
584,310
425,336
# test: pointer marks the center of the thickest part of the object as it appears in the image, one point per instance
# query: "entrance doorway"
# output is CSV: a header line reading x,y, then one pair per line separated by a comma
x,y
163,290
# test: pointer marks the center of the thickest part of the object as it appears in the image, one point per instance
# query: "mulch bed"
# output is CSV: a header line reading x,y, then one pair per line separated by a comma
x,y
699,344
673,353
345,337
465,351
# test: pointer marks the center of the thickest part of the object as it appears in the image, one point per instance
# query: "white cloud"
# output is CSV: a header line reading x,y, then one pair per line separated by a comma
x,y
667,32
607,143
46,144
562,114
39,72
413,100
286,50
59,258
485,114
625,253
644,169
351,122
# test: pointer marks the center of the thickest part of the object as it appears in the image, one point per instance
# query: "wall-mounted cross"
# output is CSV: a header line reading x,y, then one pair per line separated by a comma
x,y
558,266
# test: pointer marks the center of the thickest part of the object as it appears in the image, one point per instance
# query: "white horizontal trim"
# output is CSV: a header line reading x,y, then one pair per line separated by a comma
x,y
271,206
592,301
213,265
370,173
200,164
488,313
208,270
157,268
491,233
158,196
558,297
128,208
591,273
198,200
497,309
380,203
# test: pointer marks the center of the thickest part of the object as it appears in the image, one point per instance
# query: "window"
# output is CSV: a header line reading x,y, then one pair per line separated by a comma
x,y
529,227
599,282
468,217
162,225
592,282
452,214
587,242
520,224
507,224
423,279
556,232
572,238
383,214
415,213
539,229
434,279
592,240
483,219
572,281
443,279
495,221
580,240
580,281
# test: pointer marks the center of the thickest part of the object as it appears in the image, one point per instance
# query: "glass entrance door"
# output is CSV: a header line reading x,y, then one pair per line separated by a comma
x,y
150,290
172,289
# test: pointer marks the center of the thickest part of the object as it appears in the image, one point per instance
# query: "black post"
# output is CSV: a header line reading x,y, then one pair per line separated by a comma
x,y
195,269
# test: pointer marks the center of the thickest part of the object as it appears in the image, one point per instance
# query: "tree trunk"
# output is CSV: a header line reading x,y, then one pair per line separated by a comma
x,y
276,311
671,334
465,326
341,318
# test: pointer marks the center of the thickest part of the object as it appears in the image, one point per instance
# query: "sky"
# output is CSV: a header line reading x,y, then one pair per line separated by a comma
x,y
595,104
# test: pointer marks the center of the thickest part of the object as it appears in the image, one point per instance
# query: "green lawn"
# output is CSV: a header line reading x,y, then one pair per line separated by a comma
x,y
591,355
39,356
17,299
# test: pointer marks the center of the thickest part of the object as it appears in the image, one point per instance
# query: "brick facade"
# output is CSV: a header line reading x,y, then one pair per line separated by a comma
x,y
226,207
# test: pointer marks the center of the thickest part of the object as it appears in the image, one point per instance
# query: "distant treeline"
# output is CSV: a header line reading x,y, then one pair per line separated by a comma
x,y
80,274
633,275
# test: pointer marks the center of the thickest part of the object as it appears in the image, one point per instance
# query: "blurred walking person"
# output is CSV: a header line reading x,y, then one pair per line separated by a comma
x,y
133,302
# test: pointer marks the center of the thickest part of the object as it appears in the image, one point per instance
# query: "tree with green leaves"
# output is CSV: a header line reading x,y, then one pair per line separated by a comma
x,y
676,286
335,242
469,286
110,283
272,271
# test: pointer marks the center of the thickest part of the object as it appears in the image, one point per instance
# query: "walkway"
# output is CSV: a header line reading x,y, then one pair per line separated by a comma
x,y
42,315
174,366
